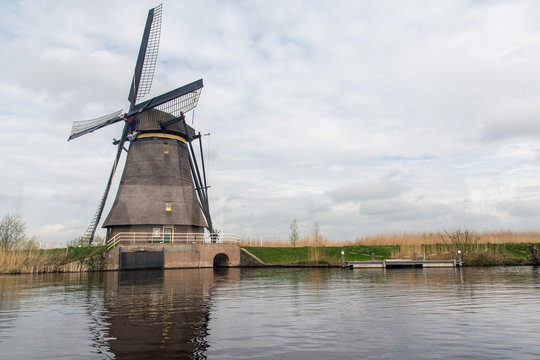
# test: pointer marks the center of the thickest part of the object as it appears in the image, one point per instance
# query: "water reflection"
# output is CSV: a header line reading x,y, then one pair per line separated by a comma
x,y
161,314
272,313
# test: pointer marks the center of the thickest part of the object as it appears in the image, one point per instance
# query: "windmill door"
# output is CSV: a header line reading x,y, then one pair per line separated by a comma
x,y
167,234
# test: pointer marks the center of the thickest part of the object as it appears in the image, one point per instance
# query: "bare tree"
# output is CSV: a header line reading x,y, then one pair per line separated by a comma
x,y
12,229
293,237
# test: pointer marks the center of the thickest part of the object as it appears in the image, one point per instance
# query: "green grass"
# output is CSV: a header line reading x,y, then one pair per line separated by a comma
x,y
332,254
474,255
502,254
279,255
74,253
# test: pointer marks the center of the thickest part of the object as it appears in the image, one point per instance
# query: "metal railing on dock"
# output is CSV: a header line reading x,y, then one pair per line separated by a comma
x,y
401,263
144,238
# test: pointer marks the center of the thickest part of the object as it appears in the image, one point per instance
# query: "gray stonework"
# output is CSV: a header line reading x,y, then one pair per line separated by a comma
x,y
247,259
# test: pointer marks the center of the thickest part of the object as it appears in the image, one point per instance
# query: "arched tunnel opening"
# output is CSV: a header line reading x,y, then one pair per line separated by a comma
x,y
221,260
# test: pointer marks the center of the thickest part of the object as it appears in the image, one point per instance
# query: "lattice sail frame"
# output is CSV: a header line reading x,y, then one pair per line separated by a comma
x,y
177,105
181,104
82,127
150,58
175,102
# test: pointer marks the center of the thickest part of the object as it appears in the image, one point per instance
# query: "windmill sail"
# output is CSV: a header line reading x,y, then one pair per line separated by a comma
x,y
140,87
146,61
80,128
175,102
142,78
154,123
91,230
180,100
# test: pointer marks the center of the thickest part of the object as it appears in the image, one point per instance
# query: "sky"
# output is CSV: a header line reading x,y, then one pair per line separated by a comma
x,y
366,117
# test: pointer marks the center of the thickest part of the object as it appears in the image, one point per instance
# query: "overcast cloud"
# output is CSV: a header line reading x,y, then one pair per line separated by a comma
x,y
366,116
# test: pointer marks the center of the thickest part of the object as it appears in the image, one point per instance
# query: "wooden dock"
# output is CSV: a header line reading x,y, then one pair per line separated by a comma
x,y
401,263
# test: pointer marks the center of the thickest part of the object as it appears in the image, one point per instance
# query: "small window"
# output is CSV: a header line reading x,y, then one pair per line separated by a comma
x,y
165,148
168,206
156,232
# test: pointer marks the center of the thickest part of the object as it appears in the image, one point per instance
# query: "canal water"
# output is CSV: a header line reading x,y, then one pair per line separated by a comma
x,y
470,313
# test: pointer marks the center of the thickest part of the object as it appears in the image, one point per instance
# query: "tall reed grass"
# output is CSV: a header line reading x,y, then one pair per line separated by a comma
x,y
477,248
31,261
413,238
491,237
317,250
304,241
489,248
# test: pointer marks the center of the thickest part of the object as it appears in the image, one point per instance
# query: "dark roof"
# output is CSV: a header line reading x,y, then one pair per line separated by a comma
x,y
150,120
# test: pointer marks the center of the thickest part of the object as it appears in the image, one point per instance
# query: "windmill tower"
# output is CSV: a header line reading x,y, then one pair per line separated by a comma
x,y
162,190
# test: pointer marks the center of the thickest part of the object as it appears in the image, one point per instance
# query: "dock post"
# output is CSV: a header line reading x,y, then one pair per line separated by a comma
x,y
384,264
372,256
460,261
534,254
342,258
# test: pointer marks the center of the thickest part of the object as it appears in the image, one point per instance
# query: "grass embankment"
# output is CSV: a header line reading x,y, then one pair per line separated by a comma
x,y
49,260
481,255
477,249
308,255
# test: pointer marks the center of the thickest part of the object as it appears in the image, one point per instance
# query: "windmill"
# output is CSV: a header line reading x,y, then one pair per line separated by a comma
x,y
162,189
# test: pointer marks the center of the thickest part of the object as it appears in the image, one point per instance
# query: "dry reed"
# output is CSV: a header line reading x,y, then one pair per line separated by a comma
x,y
305,241
317,250
475,247
487,237
410,239
29,262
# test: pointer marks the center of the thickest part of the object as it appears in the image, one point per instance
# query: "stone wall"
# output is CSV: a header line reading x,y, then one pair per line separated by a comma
x,y
113,258
247,259
209,251
181,255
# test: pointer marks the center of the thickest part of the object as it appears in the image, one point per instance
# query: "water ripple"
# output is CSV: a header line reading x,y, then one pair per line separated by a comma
x,y
466,313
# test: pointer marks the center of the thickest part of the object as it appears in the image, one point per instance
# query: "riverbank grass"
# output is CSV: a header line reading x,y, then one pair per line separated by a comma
x,y
477,249
310,255
479,255
24,261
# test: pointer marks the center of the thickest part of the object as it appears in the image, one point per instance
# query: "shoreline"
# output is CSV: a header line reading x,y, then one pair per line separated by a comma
x,y
91,259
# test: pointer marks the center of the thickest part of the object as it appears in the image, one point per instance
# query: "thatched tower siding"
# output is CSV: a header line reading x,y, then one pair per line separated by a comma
x,y
156,189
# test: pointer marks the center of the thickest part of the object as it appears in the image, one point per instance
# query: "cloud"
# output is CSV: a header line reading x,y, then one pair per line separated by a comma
x,y
49,232
364,116
524,209
367,191
509,129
